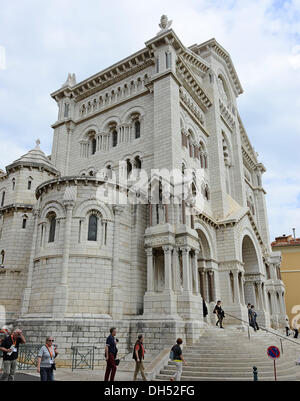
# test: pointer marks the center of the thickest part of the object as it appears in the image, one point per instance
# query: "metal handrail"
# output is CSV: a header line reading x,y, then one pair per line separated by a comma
x,y
264,329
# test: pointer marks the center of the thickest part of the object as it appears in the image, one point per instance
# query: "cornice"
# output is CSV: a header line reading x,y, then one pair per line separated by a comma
x,y
218,50
111,75
192,85
15,207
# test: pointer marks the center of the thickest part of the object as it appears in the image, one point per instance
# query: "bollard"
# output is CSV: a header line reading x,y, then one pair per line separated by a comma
x,y
255,374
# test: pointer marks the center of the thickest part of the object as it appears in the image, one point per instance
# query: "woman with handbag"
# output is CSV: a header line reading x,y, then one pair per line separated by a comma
x,y
46,360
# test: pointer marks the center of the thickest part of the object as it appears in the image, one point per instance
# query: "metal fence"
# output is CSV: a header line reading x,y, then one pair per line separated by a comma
x,y
83,357
28,354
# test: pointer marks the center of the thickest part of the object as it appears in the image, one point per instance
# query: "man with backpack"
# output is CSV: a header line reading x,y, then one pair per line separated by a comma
x,y
138,356
176,356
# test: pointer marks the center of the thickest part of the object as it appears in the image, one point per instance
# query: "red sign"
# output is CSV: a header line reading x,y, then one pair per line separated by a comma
x,y
273,352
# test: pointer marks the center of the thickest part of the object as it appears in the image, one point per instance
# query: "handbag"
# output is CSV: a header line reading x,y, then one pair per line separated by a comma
x,y
117,362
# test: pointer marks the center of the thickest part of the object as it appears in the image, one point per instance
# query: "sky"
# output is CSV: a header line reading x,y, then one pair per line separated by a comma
x,y
40,42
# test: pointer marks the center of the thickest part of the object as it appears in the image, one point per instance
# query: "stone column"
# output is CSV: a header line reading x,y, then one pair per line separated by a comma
x,y
149,252
60,302
195,272
212,285
186,268
176,272
27,290
243,288
116,310
260,293
236,287
68,225
168,267
202,283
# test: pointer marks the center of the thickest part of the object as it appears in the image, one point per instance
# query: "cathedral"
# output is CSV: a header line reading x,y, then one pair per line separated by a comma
x,y
149,209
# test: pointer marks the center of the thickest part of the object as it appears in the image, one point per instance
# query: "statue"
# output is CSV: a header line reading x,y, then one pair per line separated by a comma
x,y
71,80
164,24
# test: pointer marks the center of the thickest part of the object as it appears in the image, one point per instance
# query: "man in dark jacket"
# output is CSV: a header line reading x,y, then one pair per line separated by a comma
x,y
220,314
10,349
139,356
110,355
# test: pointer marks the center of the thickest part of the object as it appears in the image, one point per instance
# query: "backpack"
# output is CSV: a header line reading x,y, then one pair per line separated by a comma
x,y
172,354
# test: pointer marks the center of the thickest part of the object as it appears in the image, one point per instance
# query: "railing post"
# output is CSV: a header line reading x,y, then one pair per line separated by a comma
x,y
281,346
255,374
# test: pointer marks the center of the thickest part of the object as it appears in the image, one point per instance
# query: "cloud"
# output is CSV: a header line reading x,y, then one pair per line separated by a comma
x,y
43,41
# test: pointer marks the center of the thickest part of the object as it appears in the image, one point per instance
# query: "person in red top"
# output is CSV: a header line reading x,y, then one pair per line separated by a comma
x,y
138,355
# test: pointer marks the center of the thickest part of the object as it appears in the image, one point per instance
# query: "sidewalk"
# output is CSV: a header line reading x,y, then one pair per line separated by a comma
x,y
63,374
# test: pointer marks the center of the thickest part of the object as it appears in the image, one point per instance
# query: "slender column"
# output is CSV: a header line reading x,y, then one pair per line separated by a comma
x,y
168,267
211,285
149,252
116,307
183,213
117,212
150,214
202,283
243,288
261,305
176,272
27,290
186,268
166,214
195,272
68,224
236,287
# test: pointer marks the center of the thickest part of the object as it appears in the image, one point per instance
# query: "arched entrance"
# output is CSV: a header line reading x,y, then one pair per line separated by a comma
x,y
253,284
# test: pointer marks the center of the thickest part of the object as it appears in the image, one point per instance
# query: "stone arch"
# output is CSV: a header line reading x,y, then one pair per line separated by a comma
x,y
88,129
205,240
133,110
53,206
84,207
248,232
226,85
249,256
109,120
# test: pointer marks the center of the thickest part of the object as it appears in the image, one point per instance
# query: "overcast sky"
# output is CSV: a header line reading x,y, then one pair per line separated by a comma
x,y
40,42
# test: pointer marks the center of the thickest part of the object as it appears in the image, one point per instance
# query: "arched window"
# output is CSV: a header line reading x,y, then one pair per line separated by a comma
x,y
24,222
3,198
93,228
2,257
29,185
13,184
137,127
114,138
138,163
129,167
109,172
94,145
52,220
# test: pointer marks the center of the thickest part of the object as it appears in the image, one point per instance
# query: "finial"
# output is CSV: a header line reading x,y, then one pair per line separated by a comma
x,y
71,80
164,24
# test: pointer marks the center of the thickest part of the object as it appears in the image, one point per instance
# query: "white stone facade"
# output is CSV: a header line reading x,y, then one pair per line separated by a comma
x,y
147,266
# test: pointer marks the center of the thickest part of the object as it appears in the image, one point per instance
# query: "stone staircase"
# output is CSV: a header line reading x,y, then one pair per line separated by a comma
x,y
229,355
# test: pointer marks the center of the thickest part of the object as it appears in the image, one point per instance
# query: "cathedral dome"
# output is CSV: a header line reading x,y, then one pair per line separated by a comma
x,y
34,158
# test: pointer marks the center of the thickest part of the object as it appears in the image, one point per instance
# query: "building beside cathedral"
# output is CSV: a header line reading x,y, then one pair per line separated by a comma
x,y
74,261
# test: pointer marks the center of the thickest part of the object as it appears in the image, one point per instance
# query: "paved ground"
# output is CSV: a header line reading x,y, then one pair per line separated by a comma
x,y
77,375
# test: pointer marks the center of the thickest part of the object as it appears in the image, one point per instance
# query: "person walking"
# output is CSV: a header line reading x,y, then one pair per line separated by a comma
x,y
178,359
287,327
253,322
139,356
249,313
10,349
295,328
46,360
220,314
110,356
